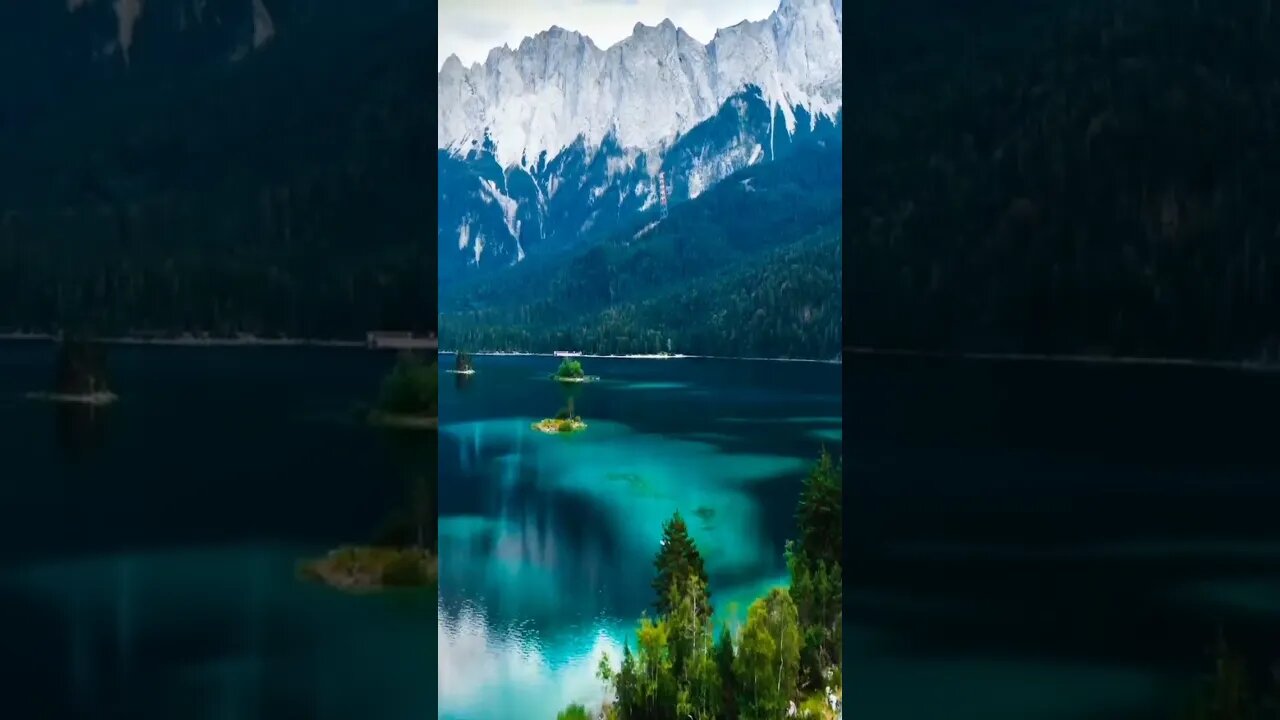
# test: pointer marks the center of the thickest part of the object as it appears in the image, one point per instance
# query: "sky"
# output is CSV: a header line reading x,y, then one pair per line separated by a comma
x,y
470,28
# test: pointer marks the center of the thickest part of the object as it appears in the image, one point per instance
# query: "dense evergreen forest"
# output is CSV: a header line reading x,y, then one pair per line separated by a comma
x,y
1095,176
750,268
287,193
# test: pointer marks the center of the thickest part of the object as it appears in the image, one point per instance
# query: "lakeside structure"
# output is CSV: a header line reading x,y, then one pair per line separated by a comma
x,y
385,340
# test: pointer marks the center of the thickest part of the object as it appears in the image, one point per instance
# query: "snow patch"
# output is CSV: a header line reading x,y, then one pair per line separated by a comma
x,y
646,90
509,206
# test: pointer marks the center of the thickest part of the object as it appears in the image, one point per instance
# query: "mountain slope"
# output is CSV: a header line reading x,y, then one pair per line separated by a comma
x,y
557,143
739,252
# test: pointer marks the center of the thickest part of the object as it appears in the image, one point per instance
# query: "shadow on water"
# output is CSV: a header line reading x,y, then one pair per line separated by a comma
x,y
1074,518
148,553
80,430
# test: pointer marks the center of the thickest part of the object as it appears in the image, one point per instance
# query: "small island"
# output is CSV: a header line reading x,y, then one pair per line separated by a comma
x,y
408,397
369,568
570,371
81,375
560,425
462,364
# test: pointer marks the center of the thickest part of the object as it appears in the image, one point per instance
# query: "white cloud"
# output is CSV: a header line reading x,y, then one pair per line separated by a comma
x,y
470,28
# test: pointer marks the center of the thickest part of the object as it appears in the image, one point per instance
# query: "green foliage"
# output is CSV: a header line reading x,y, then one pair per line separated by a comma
x,y
573,712
750,268
462,362
784,303
680,669
570,369
814,563
676,562
565,425
729,688
768,662
404,570
411,388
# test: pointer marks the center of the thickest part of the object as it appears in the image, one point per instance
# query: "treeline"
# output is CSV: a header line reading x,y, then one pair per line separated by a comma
x,y
752,266
1089,176
307,263
786,656
784,304
279,195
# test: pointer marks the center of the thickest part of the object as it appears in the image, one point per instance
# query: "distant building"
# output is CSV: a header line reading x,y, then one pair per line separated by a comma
x,y
384,340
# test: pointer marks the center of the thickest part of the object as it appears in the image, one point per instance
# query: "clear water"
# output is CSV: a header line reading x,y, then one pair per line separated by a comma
x,y
547,542
1058,541
147,550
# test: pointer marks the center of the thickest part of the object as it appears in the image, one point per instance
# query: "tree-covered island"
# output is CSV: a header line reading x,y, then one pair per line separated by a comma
x,y
408,395
570,371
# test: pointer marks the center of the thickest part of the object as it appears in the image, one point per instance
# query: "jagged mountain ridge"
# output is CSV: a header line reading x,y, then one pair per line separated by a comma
x,y
558,140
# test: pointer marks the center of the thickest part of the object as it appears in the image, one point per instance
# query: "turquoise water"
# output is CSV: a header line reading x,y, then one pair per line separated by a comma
x,y
148,549
547,541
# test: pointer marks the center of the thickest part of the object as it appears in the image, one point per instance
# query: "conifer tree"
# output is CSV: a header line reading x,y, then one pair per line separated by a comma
x,y
677,560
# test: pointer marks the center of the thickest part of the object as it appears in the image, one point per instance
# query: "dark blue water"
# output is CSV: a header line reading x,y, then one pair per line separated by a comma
x,y
1040,540
547,542
147,549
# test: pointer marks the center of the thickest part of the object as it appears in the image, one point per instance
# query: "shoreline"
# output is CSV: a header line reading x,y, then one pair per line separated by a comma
x,y
404,422
643,356
97,399
195,341
1248,365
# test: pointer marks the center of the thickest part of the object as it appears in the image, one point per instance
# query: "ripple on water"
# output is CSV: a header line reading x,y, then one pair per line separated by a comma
x,y
480,665
653,386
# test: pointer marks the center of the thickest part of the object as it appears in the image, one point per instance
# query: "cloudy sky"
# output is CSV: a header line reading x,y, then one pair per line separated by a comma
x,y
470,28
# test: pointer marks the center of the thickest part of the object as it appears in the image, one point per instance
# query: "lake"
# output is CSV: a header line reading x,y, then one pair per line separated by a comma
x,y
547,542
1052,540
148,549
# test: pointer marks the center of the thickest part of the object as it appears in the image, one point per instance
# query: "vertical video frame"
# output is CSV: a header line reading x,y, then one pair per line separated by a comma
x,y
640,480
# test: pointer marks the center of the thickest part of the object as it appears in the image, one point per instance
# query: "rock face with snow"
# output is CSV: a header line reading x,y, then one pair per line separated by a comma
x,y
558,140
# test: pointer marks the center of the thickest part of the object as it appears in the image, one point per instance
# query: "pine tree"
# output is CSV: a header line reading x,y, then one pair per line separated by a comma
x,y
728,682
676,561
819,514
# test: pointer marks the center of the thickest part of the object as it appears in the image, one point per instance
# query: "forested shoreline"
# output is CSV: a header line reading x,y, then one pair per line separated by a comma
x,y
753,267
1086,177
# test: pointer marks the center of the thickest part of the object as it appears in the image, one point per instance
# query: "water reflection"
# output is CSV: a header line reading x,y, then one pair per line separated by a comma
x,y
413,453
80,429
462,381
480,665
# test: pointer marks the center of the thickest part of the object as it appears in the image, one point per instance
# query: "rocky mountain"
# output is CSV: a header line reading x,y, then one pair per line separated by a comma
x,y
557,141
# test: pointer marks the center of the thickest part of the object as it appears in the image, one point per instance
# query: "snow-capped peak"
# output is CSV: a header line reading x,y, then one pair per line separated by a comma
x,y
558,86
